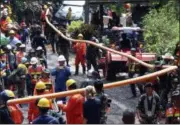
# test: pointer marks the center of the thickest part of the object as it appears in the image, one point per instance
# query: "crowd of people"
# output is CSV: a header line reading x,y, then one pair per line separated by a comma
x,y
25,73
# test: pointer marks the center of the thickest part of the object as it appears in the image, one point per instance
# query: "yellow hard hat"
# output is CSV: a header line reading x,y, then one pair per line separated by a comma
x,y
43,103
11,32
40,85
80,35
10,93
1,51
70,82
45,6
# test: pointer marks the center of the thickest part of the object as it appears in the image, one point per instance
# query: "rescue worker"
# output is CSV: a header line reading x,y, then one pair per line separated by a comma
x,y
133,69
148,108
18,44
61,73
12,39
74,106
4,70
91,78
41,56
39,40
20,54
105,101
34,28
34,71
10,113
173,111
18,77
128,117
69,15
45,77
10,57
92,55
43,14
80,49
91,107
32,53
5,117
5,20
63,46
24,32
33,112
43,106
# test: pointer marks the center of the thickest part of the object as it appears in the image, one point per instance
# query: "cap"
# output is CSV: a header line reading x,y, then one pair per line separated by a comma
x,y
148,85
168,56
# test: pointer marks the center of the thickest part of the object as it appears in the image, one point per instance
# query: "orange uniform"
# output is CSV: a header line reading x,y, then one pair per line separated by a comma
x,y
80,49
19,56
35,73
48,81
16,114
74,109
173,112
33,111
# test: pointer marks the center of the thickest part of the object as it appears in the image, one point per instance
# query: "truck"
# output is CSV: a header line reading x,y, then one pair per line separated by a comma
x,y
113,63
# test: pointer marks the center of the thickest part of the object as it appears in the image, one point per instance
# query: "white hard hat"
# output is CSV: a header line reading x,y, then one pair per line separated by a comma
x,y
61,58
39,48
34,60
5,12
18,42
168,56
9,47
11,32
22,46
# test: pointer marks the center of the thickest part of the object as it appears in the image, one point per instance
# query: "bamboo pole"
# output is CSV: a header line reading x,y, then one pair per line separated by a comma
x,y
106,86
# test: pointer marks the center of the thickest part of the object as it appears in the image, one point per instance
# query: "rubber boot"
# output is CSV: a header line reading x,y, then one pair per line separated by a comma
x,y
84,70
77,71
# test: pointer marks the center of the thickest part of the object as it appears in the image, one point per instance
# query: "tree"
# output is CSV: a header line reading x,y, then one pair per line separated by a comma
x,y
162,28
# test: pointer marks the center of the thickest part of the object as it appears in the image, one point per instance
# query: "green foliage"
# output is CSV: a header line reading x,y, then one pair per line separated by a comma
x,y
118,9
161,29
77,27
74,26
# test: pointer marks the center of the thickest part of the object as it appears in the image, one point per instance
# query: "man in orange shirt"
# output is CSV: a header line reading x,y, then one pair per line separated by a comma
x,y
33,112
14,110
74,107
45,77
80,49
34,71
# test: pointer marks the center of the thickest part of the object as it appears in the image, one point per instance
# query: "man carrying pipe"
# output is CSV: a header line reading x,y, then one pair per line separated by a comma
x,y
33,112
74,107
15,116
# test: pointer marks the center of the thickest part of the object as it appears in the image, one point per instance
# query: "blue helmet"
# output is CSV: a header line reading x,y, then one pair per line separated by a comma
x,y
24,60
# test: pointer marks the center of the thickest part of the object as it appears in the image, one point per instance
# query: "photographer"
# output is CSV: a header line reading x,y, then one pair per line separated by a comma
x,y
105,101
